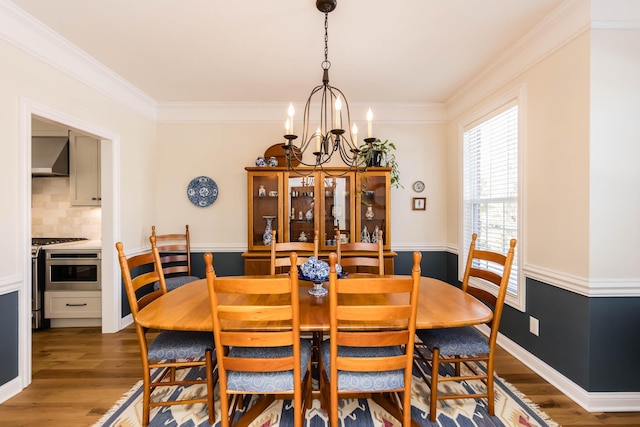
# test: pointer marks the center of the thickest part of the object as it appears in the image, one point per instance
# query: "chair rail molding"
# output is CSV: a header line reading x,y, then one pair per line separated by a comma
x,y
600,287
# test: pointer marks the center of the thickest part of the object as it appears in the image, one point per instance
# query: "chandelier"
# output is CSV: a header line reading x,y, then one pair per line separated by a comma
x,y
326,136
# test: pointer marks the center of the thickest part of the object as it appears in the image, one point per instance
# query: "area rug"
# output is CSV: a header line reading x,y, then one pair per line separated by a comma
x,y
512,409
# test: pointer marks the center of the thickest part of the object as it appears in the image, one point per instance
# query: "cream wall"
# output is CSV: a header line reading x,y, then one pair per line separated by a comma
x,y
222,151
555,172
615,150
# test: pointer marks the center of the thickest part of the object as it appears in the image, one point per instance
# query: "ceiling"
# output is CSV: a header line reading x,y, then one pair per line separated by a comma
x,y
271,51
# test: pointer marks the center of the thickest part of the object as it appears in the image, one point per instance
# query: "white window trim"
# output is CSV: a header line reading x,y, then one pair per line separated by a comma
x,y
518,94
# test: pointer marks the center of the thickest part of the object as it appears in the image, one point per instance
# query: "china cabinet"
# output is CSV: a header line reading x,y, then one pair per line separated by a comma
x,y
337,203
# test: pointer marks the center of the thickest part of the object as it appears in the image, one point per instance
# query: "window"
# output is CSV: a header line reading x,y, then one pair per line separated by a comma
x,y
491,205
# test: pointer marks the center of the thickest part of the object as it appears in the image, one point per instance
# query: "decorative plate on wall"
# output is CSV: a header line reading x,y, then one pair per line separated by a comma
x,y
202,191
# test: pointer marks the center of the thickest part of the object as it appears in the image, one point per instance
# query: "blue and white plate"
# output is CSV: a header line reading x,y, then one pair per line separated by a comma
x,y
202,191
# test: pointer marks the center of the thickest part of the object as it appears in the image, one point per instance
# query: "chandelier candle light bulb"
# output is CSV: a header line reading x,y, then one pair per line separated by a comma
x,y
318,139
354,133
338,110
291,112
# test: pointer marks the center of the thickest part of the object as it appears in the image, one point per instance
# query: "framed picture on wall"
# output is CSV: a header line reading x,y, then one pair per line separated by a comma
x,y
419,203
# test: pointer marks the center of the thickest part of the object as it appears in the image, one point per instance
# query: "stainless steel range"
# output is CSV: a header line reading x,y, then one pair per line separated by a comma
x,y
38,269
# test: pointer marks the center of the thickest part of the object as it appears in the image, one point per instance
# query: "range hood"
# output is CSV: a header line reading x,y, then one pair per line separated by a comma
x,y
49,156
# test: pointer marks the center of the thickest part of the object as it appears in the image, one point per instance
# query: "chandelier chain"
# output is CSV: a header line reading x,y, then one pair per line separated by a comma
x,y
326,64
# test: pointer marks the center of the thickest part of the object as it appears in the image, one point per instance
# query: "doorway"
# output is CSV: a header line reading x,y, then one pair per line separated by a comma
x,y
110,228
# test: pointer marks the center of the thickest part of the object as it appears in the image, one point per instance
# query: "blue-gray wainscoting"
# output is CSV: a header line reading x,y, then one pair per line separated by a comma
x,y
8,337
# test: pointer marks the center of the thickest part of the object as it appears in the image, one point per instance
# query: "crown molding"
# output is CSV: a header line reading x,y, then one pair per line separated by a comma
x,y
564,24
26,33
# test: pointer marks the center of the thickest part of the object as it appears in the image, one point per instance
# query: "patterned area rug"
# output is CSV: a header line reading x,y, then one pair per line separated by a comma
x,y
512,409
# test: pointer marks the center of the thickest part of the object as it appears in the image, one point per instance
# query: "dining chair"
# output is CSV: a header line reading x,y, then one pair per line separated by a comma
x,y
175,256
360,256
166,350
280,252
466,344
358,359
259,349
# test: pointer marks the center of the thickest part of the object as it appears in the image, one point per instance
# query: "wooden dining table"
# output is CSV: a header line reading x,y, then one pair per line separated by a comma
x,y
187,308
440,305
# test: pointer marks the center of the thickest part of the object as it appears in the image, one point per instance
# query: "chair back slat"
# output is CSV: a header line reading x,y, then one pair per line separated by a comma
x,y
257,339
280,252
371,364
175,251
489,276
268,285
363,339
373,313
259,365
361,254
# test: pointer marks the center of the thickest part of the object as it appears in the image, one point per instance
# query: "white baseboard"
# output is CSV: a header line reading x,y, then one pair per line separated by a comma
x,y
126,321
10,389
590,401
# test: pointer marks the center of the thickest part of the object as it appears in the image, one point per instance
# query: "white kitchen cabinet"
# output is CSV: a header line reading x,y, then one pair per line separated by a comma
x,y
73,308
84,170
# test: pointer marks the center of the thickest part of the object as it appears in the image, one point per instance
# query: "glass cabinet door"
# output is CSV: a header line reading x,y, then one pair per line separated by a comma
x,y
265,207
374,207
300,207
337,211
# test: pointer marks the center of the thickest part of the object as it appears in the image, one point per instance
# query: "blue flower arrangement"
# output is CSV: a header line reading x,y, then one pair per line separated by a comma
x,y
317,270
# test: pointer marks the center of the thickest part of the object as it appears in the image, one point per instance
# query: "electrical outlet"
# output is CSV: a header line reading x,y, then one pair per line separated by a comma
x,y
534,326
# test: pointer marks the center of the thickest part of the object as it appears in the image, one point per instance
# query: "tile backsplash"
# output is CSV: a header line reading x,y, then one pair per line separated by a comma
x,y
53,216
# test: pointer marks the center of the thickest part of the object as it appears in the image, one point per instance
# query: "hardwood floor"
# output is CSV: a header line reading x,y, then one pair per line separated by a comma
x,y
79,373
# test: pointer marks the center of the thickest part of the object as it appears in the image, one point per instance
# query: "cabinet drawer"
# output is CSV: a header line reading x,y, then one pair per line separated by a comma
x,y
72,304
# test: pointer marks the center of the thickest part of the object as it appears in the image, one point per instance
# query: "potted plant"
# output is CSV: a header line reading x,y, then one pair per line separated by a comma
x,y
380,153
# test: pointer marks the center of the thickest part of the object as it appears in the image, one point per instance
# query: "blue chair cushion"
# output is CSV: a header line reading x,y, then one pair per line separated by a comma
x,y
180,345
364,381
266,382
466,340
175,282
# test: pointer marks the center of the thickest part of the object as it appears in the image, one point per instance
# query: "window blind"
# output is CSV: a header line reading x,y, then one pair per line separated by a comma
x,y
490,185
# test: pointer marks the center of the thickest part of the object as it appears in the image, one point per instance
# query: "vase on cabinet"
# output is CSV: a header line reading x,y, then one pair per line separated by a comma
x,y
369,213
268,229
